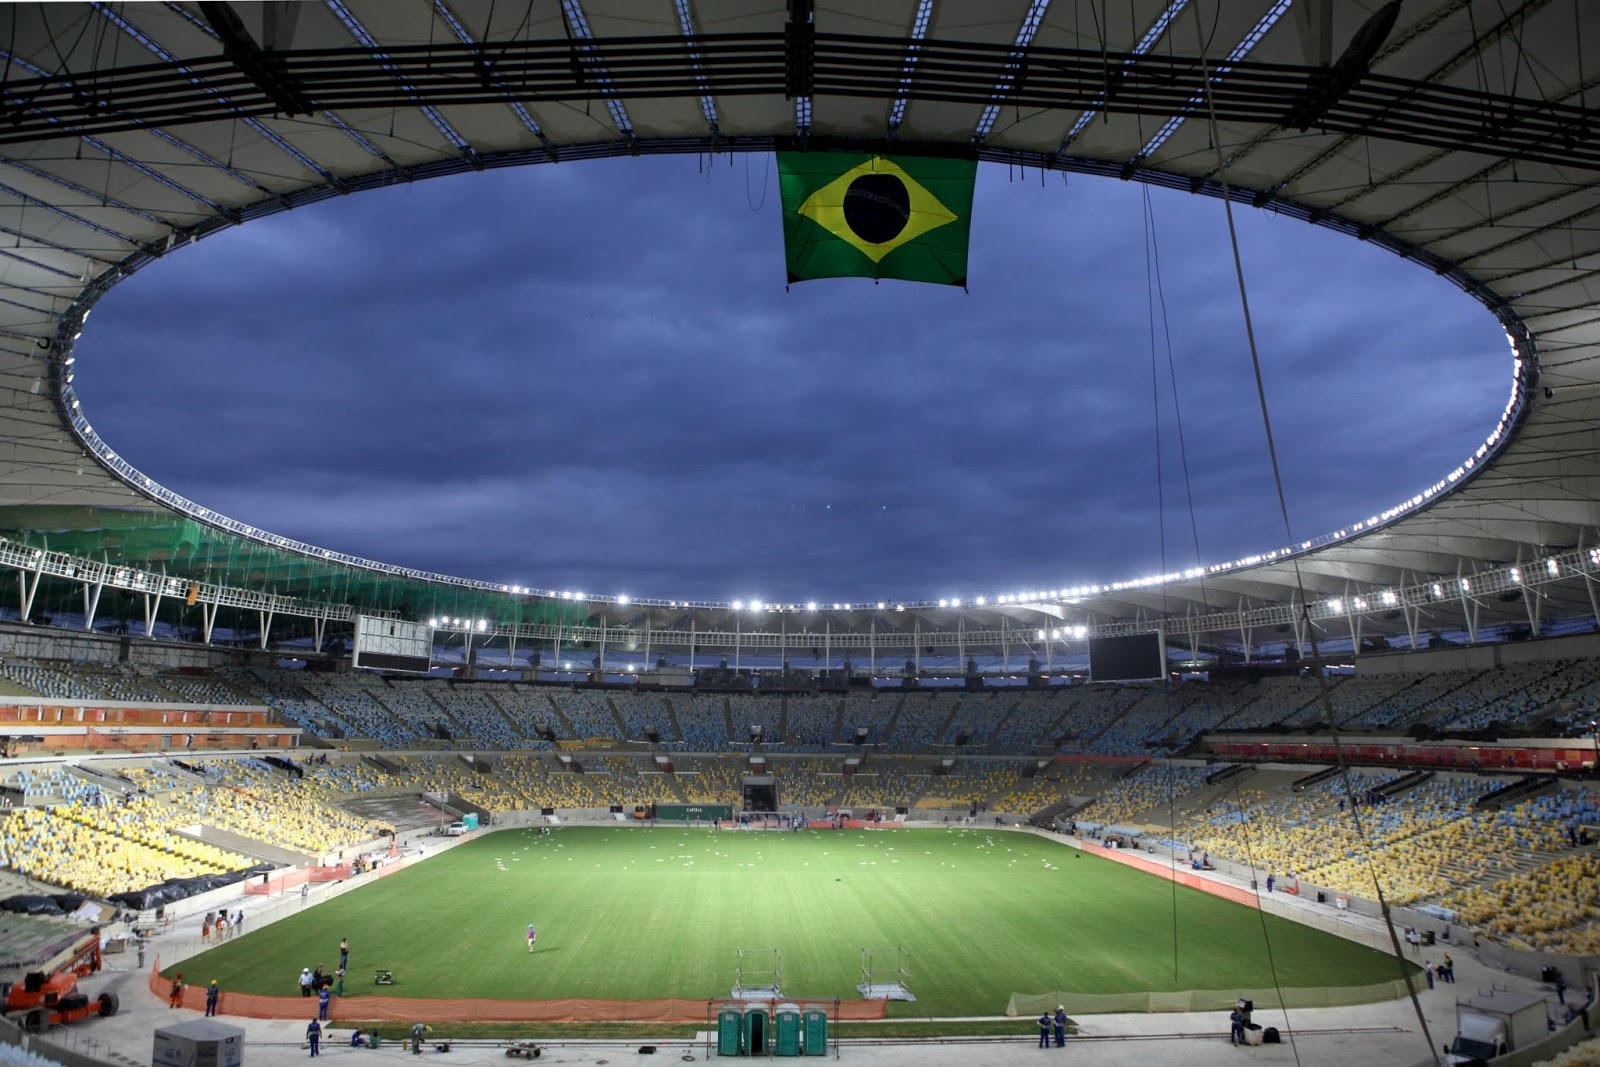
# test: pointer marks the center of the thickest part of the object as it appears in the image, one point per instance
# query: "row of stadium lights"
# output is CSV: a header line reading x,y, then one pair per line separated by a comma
x,y
1388,598
1466,468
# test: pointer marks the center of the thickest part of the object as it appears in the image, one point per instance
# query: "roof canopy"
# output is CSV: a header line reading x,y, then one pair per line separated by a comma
x,y
1458,133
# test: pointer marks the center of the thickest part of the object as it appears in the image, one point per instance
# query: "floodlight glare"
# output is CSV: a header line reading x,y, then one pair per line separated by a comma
x,y
623,599
738,605
811,605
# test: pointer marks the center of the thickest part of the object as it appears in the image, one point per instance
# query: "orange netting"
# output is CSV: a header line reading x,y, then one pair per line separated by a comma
x,y
290,879
481,1009
1180,875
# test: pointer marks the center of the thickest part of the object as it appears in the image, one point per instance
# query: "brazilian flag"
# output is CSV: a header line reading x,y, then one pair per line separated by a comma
x,y
851,215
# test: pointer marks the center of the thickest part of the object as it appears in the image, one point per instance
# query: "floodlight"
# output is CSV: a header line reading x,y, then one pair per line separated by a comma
x,y
1552,566
622,599
1466,585
981,601
738,605
811,605
1515,574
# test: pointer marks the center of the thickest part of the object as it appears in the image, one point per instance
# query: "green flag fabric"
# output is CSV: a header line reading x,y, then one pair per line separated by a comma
x,y
853,215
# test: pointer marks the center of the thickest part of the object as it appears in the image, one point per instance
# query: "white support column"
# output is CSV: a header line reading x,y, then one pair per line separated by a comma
x,y
961,642
827,644
1005,647
1469,607
208,618
691,644
1413,617
264,615
916,649
30,587
1594,602
555,646
1245,629
737,629
91,600
319,632
602,656
151,608
511,645
1353,620
872,647
1301,623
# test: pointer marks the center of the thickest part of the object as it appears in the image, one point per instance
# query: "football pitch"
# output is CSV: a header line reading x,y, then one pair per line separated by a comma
x,y
642,913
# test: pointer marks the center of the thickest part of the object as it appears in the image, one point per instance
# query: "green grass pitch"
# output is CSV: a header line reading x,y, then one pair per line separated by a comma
x,y
639,913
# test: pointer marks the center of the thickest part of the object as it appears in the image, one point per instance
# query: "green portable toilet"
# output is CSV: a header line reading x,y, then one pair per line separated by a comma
x,y
816,1033
728,1033
757,1031
786,1040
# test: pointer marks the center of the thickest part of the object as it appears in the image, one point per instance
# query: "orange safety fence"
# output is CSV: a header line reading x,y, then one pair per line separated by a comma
x,y
288,880
478,1009
1182,876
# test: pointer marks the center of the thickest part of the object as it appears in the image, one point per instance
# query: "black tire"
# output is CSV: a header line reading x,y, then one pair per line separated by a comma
x,y
33,1021
109,1003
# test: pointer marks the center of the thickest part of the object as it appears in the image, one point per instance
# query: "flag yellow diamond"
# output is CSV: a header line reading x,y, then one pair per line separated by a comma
x,y
876,207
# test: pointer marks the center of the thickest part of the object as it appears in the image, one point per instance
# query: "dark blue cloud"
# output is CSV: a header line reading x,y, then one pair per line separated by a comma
x,y
592,376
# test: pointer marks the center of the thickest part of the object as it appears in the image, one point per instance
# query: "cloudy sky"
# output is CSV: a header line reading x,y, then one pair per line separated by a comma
x,y
591,377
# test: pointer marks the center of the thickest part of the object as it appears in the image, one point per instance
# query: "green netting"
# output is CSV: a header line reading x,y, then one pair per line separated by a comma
x,y
1031,1004
162,541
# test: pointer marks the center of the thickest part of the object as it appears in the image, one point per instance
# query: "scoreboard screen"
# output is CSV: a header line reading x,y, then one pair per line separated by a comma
x,y
392,644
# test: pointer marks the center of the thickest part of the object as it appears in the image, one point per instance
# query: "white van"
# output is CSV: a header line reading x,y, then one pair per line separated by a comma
x,y
456,829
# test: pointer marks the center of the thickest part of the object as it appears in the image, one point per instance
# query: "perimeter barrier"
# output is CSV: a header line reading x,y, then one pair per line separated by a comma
x,y
1221,1000
472,1009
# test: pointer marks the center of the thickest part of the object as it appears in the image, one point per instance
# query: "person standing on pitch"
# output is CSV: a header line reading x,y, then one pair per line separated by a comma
x,y
533,935
344,952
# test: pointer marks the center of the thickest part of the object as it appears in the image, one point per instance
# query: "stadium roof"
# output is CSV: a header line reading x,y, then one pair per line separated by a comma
x,y
1461,134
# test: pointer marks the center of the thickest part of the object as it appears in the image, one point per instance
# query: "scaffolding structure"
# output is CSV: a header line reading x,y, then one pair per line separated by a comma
x,y
884,974
758,974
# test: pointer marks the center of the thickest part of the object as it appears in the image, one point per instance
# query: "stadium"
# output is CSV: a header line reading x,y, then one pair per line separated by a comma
x,y
1319,779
